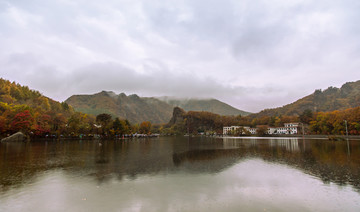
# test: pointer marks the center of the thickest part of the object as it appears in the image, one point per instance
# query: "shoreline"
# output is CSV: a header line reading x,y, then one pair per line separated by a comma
x,y
326,137
344,137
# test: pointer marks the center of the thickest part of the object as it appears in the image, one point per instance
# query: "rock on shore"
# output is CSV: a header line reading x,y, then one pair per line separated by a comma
x,y
19,136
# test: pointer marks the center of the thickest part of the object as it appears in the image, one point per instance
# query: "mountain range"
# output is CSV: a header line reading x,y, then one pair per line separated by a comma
x,y
138,109
159,109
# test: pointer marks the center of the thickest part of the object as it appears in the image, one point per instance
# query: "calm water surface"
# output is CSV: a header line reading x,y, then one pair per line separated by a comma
x,y
181,174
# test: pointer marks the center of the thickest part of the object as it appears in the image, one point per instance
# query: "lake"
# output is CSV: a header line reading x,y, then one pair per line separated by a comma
x,y
181,174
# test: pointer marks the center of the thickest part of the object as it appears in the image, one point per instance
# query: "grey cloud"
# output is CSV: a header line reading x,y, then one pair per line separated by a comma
x,y
252,55
257,42
116,77
22,59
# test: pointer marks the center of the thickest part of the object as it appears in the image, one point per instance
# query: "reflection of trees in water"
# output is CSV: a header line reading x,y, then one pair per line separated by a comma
x,y
327,160
101,154
21,162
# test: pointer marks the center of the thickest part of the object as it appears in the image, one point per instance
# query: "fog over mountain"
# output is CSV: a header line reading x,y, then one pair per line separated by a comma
x,y
138,109
252,55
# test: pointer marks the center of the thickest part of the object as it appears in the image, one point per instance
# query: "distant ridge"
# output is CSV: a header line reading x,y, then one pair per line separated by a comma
x,y
332,98
138,109
209,105
132,107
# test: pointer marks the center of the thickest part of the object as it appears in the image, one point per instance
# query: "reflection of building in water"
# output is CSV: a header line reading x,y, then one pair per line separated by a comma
x,y
290,144
229,143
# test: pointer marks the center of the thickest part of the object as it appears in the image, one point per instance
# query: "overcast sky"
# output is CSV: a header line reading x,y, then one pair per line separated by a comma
x,y
250,54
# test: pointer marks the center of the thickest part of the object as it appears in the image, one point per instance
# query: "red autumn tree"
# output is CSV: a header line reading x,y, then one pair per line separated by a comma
x,y
22,122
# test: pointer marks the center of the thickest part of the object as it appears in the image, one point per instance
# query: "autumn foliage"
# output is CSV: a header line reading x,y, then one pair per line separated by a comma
x,y
22,121
22,109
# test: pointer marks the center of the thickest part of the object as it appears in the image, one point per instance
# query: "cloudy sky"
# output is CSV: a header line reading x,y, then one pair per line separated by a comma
x,y
250,54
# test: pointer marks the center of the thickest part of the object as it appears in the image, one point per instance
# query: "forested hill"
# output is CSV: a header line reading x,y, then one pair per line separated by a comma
x,y
19,97
348,96
27,110
138,109
208,105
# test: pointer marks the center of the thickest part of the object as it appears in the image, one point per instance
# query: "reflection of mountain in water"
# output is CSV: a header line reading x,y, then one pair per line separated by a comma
x,y
208,160
331,161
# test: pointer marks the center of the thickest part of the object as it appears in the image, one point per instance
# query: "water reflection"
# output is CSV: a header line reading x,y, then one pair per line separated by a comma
x,y
290,144
330,161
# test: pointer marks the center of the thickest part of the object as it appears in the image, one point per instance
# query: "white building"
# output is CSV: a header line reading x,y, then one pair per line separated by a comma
x,y
252,131
288,128
271,130
228,130
292,124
